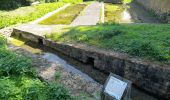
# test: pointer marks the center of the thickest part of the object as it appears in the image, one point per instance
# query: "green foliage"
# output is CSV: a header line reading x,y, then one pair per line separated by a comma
x,y
71,1
57,92
66,16
8,18
32,89
9,91
18,80
57,75
13,4
113,13
11,63
147,41
127,1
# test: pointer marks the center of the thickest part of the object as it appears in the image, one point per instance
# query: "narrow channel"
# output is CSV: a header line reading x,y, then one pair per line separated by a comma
x,y
87,71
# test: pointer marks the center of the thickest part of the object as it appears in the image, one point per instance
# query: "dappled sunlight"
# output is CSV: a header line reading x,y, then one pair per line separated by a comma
x,y
126,17
22,44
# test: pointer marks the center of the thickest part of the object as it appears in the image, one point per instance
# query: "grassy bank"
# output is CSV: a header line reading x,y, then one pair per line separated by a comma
x,y
66,16
113,13
147,41
18,79
26,14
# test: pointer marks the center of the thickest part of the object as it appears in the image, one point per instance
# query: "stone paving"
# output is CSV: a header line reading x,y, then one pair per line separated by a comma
x,y
90,15
40,30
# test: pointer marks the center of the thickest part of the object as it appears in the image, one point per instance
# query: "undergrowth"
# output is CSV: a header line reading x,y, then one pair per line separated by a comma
x,y
19,81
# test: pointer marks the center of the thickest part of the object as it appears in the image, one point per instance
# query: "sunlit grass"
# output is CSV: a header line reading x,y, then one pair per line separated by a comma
x,y
65,16
26,14
149,41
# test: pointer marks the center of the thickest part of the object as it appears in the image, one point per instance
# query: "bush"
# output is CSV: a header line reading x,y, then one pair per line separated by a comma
x,y
57,92
9,91
11,63
13,4
16,82
32,89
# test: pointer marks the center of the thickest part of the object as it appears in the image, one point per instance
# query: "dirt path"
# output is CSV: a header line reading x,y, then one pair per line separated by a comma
x,y
90,15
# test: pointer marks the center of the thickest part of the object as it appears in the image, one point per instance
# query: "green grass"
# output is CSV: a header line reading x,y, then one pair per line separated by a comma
x,y
66,16
113,13
26,14
148,41
19,81
71,1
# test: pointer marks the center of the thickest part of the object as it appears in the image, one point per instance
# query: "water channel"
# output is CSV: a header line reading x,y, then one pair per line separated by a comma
x,y
87,71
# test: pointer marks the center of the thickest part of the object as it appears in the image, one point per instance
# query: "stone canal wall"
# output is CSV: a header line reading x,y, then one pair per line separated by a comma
x,y
159,7
152,77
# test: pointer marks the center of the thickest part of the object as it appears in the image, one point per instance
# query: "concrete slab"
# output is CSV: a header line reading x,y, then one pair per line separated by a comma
x,y
90,15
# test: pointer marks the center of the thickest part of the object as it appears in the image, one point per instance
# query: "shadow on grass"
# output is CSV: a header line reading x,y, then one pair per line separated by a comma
x,y
150,41
13,4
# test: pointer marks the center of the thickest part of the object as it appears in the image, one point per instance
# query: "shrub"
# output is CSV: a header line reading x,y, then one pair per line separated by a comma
x,y
57,92
17,84
32,89
11,63
13,4
9,91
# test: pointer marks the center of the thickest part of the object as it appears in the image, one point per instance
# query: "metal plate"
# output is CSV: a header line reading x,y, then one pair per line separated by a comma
x,y
115,88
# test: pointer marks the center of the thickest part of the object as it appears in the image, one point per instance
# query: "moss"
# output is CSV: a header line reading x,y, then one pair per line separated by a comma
x,y
66,16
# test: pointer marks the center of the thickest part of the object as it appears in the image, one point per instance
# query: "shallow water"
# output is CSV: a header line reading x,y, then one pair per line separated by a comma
x,y
87,71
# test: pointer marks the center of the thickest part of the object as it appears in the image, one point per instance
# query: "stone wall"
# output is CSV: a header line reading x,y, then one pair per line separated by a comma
x,y
152,77
159,7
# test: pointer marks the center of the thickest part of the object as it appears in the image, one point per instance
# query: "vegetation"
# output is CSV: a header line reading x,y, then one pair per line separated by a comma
x,y
113,13
13,4
26,14
66,16
150,41
18,80
127,1
71,1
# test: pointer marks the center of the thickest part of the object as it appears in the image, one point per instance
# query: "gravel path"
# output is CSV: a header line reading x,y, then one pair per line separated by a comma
x,y
90,15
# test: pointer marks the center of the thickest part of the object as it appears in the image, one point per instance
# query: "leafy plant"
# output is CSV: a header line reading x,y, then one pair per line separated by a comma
x,y
57,75
18,80
57,92
9,91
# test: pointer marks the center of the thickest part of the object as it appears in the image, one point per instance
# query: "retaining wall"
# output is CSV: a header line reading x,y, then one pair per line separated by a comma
x,y
152,77
159,7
